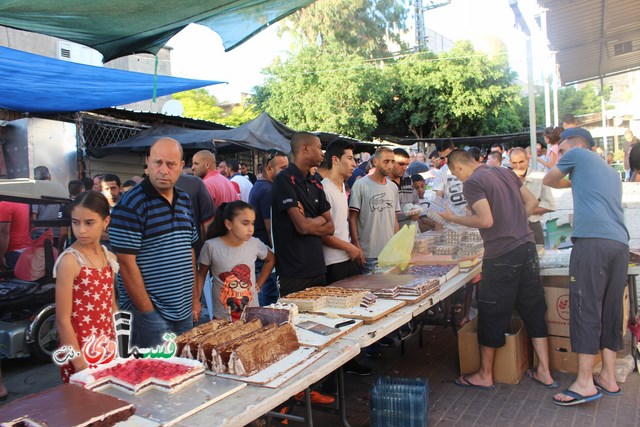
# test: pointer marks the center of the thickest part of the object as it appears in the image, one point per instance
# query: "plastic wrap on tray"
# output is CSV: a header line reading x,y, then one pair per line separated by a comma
x,y
555,258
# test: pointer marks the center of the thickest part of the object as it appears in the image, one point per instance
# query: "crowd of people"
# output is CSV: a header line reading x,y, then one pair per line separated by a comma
x,y
312,218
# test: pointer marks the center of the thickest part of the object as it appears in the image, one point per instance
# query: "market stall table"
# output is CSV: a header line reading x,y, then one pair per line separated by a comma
x,y
253,401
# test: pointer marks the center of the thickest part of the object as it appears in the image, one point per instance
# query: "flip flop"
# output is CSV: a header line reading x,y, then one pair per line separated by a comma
x,y
531,375
578,399
607,392
469,384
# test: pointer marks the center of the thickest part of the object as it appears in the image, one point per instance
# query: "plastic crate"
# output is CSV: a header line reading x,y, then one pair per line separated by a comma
x,y
400,402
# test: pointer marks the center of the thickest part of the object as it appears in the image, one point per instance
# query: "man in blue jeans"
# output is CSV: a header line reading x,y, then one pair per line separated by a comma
x,y
153,233
510,271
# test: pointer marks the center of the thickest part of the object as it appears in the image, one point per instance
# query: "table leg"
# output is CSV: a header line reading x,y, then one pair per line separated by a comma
x,y
342,407
633,310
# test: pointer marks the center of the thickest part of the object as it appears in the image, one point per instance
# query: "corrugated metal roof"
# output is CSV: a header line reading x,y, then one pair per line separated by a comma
x,y
593,38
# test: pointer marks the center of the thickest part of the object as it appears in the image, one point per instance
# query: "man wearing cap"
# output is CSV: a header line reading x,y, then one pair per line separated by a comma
x,y
598,266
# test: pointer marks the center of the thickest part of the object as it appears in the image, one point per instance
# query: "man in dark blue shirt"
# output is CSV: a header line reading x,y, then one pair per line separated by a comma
x,y
274,162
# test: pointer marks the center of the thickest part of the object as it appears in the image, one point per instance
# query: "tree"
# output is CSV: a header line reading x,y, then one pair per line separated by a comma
x,y
362,27
199,104
570,100
317,89
240,114
460,93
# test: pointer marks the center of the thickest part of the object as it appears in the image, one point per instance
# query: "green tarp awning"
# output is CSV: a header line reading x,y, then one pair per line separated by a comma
x,y
123,27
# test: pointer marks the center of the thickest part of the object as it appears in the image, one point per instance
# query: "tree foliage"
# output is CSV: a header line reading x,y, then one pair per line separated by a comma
x,y
317,89
199,104
460,93
578,102
362,27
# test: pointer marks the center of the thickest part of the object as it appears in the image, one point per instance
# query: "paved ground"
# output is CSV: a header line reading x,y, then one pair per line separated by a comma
x,y
526,404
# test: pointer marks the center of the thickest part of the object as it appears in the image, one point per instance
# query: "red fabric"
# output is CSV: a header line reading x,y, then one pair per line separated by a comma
x,y
31,265
91,313
17,215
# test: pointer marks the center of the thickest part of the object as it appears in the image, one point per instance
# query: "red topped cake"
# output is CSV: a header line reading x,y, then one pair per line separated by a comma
x,y
138,375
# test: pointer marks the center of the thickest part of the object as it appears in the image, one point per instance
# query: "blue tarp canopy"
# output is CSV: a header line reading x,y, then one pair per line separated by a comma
x,y
38,84
118,28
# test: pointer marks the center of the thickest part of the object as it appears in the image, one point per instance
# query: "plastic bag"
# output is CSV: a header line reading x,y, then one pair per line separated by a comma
x,y
397,252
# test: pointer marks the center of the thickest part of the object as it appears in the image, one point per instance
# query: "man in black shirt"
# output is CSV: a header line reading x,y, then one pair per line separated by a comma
x,y
300,216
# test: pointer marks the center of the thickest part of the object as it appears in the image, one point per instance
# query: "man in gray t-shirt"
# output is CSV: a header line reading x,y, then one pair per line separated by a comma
x,y
373,206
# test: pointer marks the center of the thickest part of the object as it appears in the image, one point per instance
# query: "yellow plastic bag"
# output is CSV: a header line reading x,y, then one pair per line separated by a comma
x,y
397,252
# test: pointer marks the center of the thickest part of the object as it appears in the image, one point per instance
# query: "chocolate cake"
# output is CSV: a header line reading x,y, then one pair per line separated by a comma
x,y
254,355
65,406
220,354
224,335
268,315
183,340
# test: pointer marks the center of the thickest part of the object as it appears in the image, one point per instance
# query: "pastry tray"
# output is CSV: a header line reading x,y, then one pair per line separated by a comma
x,y
170,408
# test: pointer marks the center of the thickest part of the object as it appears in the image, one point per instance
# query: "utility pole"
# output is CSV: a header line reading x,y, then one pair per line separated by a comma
x,y
421,30
522,24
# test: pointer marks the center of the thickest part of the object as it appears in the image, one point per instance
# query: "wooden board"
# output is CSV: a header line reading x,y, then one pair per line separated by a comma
x,y
312,339
426,259
381,308
412,299
288,367
375,281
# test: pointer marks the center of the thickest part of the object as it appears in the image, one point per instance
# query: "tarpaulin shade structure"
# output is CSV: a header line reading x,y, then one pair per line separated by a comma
x,y
261,133
38,84
118,28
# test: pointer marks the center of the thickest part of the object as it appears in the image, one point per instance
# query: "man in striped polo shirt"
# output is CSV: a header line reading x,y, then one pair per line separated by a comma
x,y
153,232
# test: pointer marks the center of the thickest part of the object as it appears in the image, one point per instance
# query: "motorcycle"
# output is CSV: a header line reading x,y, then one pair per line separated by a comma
x,y
27,308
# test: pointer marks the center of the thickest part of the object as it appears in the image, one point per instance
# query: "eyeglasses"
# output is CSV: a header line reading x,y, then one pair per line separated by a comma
x,y
273,153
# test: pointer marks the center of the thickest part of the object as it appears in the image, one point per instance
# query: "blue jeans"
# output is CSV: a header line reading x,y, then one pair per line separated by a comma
x,y
269,292
148,328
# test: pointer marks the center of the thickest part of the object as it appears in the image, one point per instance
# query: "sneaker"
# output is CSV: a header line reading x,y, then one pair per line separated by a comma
x,y
386,342
316,398
356,368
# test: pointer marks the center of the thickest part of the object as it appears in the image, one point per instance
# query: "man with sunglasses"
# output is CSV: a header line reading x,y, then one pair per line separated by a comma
x,y
406,194
274,161
445,184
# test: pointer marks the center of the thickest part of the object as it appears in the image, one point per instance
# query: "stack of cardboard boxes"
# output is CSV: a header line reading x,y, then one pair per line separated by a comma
x,y
561,359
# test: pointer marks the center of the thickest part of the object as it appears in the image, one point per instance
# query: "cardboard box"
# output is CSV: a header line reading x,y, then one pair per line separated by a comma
x,y
511,361
561,359
556,292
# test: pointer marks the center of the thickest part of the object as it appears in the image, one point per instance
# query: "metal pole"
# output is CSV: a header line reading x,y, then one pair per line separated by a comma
x,y
604,124
547,102
556,120
532,106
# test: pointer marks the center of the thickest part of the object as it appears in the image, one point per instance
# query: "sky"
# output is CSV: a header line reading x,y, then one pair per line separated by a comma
x,y
198,52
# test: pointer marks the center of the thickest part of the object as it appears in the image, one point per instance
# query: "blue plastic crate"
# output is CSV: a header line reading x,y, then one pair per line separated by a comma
x,y
400,402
